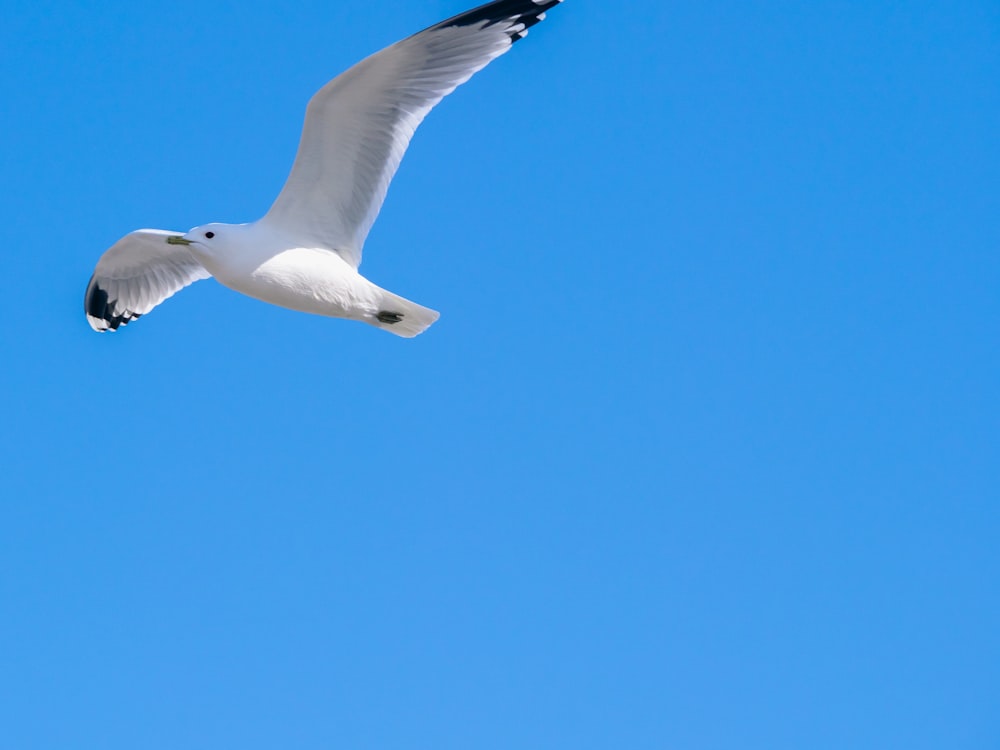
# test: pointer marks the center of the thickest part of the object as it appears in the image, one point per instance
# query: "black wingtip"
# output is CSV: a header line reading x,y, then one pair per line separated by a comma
x,y
521,14
102,312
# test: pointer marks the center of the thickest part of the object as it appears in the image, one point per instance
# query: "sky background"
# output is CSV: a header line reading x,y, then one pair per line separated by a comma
x,y
703,452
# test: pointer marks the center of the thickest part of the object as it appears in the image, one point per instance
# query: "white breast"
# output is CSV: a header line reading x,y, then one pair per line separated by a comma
x,y
309,280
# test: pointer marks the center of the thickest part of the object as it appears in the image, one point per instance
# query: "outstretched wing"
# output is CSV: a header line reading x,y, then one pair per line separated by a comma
x,y
135,275
358,126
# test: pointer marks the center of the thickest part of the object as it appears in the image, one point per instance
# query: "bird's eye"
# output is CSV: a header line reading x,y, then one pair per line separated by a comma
x,y
209,235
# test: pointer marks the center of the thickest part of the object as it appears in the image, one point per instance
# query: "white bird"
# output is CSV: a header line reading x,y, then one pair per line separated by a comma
x,y
305,252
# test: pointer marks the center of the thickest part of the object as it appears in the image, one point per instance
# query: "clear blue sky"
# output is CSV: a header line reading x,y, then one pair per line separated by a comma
x,y
703,452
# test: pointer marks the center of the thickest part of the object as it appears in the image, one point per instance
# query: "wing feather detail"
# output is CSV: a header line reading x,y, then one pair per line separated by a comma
x,y
359,125
135,275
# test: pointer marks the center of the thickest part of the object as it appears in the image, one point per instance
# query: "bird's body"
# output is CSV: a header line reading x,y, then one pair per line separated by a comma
x,y
266,264
305,252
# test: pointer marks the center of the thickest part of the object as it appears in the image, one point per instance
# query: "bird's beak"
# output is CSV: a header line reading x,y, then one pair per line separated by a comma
x,y
178,241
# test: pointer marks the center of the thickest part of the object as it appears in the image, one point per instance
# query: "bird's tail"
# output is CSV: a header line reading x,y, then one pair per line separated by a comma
x,y
402,317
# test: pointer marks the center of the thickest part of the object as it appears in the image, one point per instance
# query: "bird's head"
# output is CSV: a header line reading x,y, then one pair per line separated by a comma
x,y
207,240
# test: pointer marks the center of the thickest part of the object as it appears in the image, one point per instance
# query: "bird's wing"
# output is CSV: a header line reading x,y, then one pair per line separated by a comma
x,y
135,275
358,126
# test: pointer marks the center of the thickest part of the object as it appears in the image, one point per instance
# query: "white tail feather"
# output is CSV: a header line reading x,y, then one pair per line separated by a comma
x,y
402,317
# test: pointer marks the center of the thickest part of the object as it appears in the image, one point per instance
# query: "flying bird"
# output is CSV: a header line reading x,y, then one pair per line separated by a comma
x,y
305,252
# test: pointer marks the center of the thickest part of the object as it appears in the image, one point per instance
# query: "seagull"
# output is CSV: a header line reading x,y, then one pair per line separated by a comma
x,y
305,252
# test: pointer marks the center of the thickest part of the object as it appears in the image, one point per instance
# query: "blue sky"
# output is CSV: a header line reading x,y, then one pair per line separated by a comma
x,y
701,454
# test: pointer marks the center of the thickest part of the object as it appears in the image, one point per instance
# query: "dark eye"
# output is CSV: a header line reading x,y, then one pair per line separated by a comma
x,y
209,235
